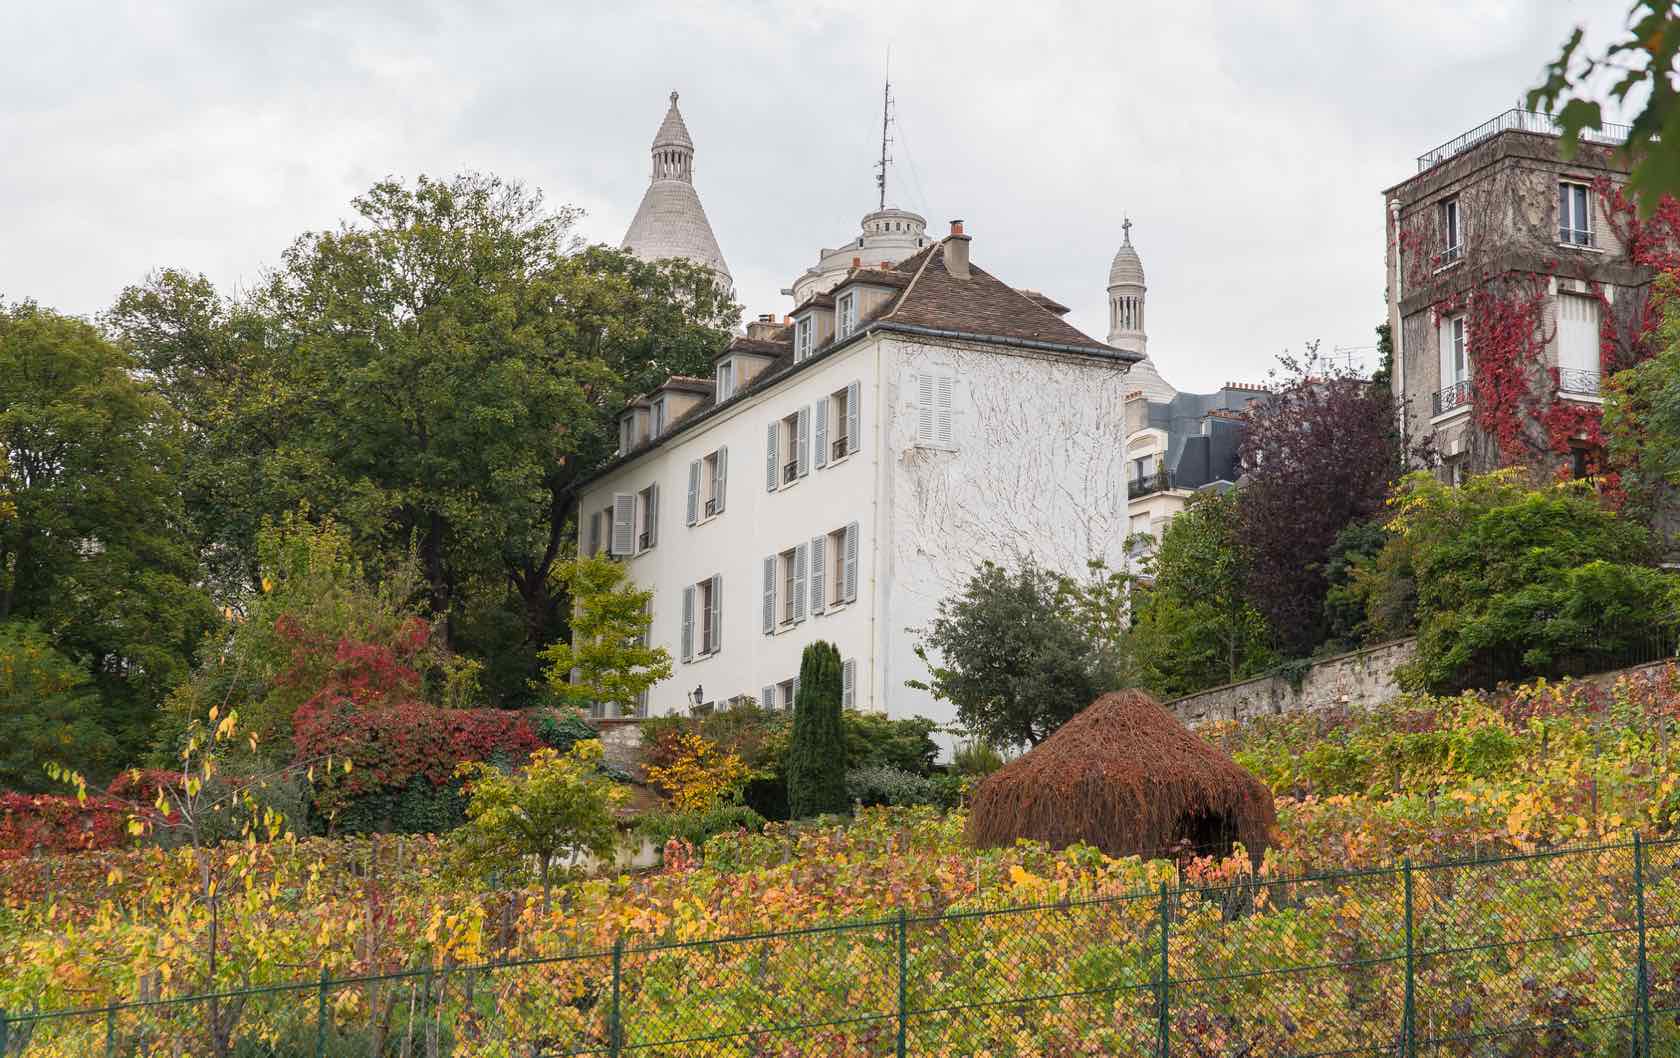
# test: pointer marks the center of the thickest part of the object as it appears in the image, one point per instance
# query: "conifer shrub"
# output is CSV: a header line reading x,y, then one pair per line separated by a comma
x,y
816,765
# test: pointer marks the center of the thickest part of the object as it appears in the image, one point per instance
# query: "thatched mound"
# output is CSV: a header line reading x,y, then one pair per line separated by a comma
x,y
1126,776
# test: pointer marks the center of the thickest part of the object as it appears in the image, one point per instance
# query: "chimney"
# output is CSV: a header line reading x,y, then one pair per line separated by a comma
x,y
956,251
857,262
762,328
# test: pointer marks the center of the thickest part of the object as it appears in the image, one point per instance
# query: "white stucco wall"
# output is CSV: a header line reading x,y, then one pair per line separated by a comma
x,y
1036,468
755,523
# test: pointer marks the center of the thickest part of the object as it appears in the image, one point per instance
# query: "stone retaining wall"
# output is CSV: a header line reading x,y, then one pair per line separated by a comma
x,y
1358,676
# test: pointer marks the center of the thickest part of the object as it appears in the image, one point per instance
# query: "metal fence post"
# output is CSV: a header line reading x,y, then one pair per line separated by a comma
x,y
1642,980
1408,1023
1163,1024
111,1031
615,1026
3,1032
321,1017
903,987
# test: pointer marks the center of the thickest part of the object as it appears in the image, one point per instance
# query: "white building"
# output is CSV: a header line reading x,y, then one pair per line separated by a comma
x,y
841,474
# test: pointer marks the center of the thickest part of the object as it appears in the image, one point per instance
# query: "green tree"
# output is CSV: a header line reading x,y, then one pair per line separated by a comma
x,y
1642,417
816,763
557,807
96,553
1512,579
49,713
1575,83
609,651
1012,660
279,649
1194,626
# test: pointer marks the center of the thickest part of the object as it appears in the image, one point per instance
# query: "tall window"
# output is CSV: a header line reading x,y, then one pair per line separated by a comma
x,y
704,604
647,514
847,314
802,334
725,380
1574,215
788,563
1459,358
1578,344
658,425
1451,233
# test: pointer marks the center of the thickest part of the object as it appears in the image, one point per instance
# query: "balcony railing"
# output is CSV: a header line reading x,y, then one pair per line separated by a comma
x,y
1454,396
1160,481
711,506
790,471
1518,121
1577,237
646,539
1578,381
839,448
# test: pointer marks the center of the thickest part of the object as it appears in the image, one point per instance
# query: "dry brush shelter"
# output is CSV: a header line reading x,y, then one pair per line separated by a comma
x,y
1127,777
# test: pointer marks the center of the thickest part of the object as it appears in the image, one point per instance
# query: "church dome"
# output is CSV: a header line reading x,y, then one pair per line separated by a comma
x,y
670,221
1127,266
673,132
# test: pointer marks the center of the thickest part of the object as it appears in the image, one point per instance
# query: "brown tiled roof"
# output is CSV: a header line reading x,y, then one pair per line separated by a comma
x,y
929,297
689,384
981,305
1047,301
881,277
822,301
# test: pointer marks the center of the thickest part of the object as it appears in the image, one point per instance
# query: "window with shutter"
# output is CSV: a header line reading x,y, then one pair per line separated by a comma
x,y
924,408
1578,344
770,595
848,684
821,427
801,556
767,696
716,643
694,492
818,570
772,435
854,436
624,523
688,624
942,409
804,444
851,562
720,479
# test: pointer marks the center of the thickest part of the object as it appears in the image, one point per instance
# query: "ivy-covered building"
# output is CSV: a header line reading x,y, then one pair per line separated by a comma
x,y
1517,280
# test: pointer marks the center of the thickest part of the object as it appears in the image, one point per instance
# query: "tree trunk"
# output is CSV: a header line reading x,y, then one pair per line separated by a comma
x,y
437,578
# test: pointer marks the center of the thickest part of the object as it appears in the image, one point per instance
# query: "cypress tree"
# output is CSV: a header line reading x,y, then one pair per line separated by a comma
x,y
816,768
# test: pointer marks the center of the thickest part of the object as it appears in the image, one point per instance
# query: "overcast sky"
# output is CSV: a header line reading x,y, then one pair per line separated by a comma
x,y
1249,142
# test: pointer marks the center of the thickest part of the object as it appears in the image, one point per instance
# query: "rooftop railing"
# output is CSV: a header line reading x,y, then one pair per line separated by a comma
x,y
1518,121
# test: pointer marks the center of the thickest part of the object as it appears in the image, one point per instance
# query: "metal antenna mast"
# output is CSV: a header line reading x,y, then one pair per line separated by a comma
x,y
886,112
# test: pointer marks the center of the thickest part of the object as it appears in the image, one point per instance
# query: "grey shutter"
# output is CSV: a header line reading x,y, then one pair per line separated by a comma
x,y
822,433
771,437
851,562
653,514
800,554
768,697
804,441
624,523
942,409
720,482
924,408
818,600
853,418
688,624
694,492
770,595
848,684
717,614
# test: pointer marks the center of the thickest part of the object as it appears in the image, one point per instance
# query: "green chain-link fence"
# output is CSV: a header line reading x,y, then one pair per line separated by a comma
x,y
1568,952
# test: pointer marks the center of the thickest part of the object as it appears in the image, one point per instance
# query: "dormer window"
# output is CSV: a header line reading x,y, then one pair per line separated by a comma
x,y
725,380
626,432
847,313
803,334
658,423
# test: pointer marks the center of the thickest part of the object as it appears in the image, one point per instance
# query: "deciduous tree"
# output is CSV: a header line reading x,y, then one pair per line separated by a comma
x,y
1007,654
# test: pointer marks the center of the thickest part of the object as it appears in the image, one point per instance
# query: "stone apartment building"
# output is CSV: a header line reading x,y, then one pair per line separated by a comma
x,y
1512,290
